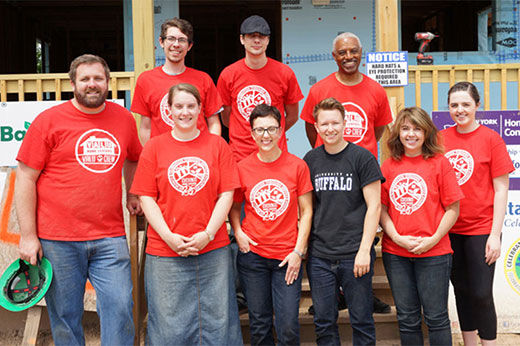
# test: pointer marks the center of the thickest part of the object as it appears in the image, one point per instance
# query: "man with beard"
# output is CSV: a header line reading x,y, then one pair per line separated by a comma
x,y
151,90
68,199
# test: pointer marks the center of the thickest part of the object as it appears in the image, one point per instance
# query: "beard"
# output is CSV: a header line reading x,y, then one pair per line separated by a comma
x,y
91,101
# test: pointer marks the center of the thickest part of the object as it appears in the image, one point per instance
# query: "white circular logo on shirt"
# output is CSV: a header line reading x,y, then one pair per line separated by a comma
x,y
462,163
269,198
188,175
356,122
408,193
251,96
166,114
97,151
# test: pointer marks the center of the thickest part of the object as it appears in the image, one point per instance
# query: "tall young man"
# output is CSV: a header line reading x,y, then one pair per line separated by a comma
x,y
151,90
68,201
254,80
347,187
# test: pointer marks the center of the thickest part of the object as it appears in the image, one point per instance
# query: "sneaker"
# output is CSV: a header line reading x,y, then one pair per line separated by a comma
x,y
381,307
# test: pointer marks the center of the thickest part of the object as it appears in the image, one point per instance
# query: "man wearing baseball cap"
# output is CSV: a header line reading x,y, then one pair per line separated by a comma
x,y
254,80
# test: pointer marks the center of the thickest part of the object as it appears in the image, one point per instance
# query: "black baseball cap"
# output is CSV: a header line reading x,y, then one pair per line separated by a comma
x,y
254,24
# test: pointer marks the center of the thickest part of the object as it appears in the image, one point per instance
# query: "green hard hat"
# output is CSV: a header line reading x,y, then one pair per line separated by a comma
x,y
23,285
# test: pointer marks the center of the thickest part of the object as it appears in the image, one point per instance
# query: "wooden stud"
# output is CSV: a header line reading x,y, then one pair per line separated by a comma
x,y
143,34
435,90
134,262
113,83
39,92
418,88
3,90
57,89
469,75
32,325
503,89
452,77
486,90
21,94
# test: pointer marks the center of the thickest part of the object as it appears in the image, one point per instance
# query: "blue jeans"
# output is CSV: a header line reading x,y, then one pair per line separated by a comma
x,y
266,290
191,300
324,277
106,263
420,283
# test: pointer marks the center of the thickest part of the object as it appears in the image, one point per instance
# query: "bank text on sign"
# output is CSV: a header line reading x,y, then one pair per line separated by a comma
x,y
388,68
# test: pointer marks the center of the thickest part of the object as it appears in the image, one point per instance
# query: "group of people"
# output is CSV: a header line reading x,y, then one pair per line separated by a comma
x,y
325,209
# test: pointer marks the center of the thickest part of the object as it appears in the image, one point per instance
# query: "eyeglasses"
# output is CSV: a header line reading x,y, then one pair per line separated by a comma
x,y
270,130
173,39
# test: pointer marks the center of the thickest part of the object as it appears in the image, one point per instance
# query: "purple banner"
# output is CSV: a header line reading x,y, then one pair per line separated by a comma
x,y
506,123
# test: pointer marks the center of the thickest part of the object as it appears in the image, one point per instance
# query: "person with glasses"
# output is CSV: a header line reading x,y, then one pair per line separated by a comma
x,y
185,180
151,90
275,186
254,80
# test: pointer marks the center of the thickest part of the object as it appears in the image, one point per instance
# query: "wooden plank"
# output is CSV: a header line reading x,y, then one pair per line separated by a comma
x,y
32,325
3,90
486,90
134,262
21,94
452,77
435,90
57,88
113,84
469,76
418,88
143,35
503,89
39,93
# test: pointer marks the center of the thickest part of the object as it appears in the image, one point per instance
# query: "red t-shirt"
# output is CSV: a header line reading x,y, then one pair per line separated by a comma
x,y
477,158
416,192
151,97
366,106
243,88
80,156
271,191
186,179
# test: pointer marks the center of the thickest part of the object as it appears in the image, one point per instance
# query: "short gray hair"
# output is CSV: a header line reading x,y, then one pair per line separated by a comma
x,y
343,36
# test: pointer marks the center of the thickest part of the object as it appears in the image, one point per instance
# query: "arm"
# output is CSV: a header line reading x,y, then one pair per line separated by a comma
x,y
448,220
310,130
132,201
407,242
379,131
372,195
291,115
243,239
176,242
145,126
304,228
200,239
214,126
226,112
493,244
25,195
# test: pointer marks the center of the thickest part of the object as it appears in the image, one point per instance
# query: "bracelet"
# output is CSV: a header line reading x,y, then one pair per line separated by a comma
x,y
299,253
209,235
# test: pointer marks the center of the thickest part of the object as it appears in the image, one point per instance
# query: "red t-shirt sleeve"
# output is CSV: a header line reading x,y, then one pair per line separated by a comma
x,y
35,148
223,88
229,179
212,102
145,183
500,161
308,107
304,179
139,103
450,191
294,93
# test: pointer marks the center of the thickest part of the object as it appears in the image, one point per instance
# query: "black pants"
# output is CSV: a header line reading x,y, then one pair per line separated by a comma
x,y
472,280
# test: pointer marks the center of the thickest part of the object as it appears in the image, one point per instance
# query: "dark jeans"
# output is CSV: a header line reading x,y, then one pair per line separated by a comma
x,y
420,283
265,288
472,281
324,276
